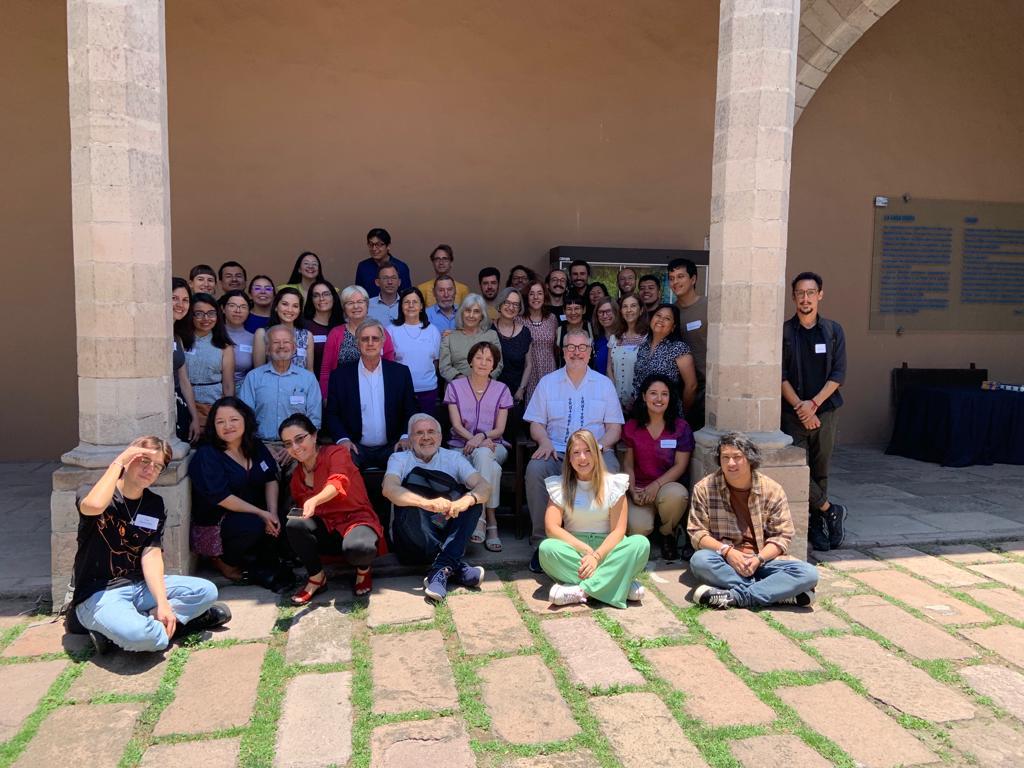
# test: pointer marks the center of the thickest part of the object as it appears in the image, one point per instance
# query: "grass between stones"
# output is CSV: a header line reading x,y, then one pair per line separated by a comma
x,y
53,699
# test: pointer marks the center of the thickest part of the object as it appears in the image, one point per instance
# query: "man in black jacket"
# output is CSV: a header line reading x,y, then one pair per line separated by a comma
x,y
369,402
813,369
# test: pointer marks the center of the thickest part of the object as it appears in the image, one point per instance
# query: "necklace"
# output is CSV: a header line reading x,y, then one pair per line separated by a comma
x,y
138,505
419,331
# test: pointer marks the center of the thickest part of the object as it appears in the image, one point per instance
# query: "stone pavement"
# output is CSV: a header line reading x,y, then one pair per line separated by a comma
x,y
912,656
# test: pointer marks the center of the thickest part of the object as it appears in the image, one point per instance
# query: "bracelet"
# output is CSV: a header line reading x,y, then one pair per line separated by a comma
x,y
760,559
815,404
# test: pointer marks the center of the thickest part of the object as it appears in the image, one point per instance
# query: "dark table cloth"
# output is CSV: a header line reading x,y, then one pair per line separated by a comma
x,y
959,427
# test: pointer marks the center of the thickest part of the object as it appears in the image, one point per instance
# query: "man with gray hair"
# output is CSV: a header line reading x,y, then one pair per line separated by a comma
x,y
571,398
741,527
369,400
437,495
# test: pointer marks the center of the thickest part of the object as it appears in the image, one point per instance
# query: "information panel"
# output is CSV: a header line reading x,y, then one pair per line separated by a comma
x,y
947,265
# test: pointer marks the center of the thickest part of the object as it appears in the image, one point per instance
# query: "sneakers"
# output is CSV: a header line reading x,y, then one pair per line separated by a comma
x,y
469,575
636,592
669,546
535,562
712,597
562,594
217,615
803,599
818,532
101,642
835,523
436,584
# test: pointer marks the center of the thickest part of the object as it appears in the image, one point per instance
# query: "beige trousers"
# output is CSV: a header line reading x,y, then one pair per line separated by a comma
x,y
670,504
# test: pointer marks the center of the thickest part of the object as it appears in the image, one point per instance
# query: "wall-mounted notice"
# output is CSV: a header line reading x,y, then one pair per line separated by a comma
x,y
947,265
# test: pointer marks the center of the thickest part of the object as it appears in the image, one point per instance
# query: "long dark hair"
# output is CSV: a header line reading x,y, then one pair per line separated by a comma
x,y
400,320
219,334
676,335
288,291
639,413
309,311
296,276
183,329
250,442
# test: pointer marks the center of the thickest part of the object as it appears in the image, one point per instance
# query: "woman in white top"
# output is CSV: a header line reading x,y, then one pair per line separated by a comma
x,y
587,551
622,349
417,345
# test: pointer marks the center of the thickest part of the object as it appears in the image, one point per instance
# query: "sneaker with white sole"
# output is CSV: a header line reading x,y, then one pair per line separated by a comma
x,y
636,592
469,575
713,597
803,599
564,594
436,584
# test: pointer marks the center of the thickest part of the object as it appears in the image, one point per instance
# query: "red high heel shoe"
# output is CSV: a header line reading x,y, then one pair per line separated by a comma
x,y
302,597
364,582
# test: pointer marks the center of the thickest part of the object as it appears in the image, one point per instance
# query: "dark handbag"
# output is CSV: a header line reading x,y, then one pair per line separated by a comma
x,y
434,484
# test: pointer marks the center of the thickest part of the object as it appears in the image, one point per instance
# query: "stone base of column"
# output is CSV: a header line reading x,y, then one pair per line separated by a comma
x,y
172,485
782,462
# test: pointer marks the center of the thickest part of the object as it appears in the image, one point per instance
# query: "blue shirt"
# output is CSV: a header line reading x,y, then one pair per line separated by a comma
x,y
380,311
438,319
276,396
366,275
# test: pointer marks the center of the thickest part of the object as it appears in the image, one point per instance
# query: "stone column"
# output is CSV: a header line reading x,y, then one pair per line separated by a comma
x,y
120,207
754,115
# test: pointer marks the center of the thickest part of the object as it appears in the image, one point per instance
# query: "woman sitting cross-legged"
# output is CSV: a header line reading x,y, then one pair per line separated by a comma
x,y
659,444
587,551
336,514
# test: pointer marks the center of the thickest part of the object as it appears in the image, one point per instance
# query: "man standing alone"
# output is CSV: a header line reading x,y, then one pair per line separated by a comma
x,y
813,369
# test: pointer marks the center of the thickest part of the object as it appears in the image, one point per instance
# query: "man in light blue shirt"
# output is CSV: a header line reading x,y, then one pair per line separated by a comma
x,y
442,314
278,389
384,306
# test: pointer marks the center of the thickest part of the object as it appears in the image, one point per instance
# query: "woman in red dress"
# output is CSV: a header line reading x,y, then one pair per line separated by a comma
x,y
333,515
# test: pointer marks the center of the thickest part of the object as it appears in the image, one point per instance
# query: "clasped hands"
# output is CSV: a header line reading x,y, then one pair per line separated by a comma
x,y
805,411
744,564
448,508
588,564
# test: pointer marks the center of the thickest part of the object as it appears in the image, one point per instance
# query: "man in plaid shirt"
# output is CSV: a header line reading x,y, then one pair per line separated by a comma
x,y
741,527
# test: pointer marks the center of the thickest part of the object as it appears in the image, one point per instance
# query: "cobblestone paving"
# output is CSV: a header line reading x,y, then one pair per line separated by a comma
x,y
903,661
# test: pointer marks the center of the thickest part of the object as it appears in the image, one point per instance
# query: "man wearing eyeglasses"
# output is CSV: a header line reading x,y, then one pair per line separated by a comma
x,y
442,260
813,369
378,243
384,306
571,398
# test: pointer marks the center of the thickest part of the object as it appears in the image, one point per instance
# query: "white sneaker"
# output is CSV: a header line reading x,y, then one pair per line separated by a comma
x,y
562,594
636,592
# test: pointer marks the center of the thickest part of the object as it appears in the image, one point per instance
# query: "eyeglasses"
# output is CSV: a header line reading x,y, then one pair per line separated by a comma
x,y
236,307
606,312
355,302
299,440
511,304
445,257
806,294
576,347
322,295
147,463
376,245
370,339
211,314
263,289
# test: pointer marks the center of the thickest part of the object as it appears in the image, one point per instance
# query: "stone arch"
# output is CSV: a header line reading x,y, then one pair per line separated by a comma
x,y
828,29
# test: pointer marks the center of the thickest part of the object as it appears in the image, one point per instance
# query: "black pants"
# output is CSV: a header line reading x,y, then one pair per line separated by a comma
x,y
819,444
309,537
372,456
419,540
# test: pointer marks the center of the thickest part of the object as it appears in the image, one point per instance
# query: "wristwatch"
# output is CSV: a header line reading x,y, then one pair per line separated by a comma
x,y
724,550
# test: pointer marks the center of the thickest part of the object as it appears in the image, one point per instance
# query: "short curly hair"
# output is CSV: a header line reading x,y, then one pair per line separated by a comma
x,y
742,443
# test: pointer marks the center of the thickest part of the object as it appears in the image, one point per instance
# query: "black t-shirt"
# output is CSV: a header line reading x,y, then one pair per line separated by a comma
x,y
110,544
813,363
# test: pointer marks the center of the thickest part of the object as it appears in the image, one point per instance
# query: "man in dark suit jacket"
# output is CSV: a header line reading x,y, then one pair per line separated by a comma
x,y
370,401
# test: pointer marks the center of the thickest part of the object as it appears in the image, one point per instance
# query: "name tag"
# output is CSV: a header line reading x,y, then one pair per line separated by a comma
x,y
190,351
668,443
264,467
300,352
694,325
819,349
245,348
297,399
174,346
319,339
146,521
561,318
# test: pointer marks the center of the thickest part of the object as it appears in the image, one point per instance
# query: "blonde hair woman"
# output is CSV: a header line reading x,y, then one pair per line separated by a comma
x,y
587,551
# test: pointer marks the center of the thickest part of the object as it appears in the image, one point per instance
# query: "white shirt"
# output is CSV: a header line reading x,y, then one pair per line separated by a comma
x,y
371,404
562,408
417,348
586,516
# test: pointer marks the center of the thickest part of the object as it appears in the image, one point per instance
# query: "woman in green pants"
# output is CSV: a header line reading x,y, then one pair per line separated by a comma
x,y
587,551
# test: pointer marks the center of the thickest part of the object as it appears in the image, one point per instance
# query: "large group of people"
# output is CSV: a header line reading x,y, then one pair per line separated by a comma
x,y
293,393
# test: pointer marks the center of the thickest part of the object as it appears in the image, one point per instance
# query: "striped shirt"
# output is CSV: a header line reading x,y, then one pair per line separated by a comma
x,y
711,515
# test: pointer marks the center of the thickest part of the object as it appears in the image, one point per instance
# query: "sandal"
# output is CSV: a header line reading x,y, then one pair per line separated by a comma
x,y
478,532
303,596
493,543
364,582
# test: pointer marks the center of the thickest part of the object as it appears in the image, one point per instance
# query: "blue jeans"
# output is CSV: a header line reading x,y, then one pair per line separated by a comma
x,y
774,581
122,613
418,540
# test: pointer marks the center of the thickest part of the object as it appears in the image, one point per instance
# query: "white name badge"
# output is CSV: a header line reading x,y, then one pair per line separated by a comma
x,y
174,346
297,399
300,352
694,325
264,467
319,339
146,521
245,348
819,349
561,318
668,443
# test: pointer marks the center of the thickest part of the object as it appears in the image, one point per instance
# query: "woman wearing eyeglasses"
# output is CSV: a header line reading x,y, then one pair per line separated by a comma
x,y
322,313
210,357
341,346
236,306
471,326
261,289
336,516
515,354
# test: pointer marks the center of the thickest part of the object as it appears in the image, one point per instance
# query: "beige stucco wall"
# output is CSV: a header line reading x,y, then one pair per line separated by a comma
x,y
503,129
